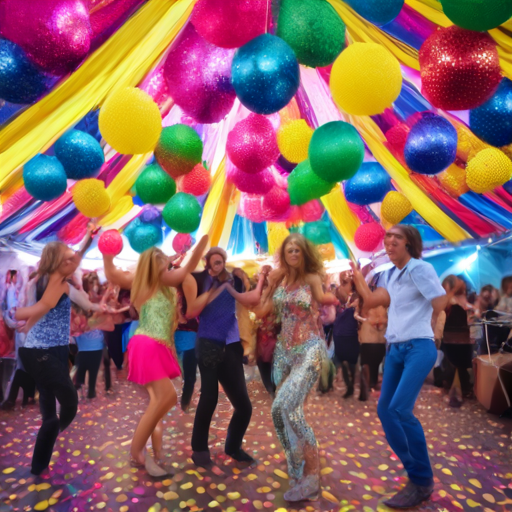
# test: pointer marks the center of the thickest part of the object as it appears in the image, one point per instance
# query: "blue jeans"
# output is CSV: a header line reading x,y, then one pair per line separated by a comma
x,y
407,366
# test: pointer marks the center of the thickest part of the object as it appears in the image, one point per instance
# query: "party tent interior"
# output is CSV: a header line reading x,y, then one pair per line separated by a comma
x,y
248,120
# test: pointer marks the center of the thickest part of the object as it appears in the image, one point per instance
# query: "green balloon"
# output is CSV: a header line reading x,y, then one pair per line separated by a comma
x,y
182,213
336,151
154,185
317,232
478,15
313,29
304,185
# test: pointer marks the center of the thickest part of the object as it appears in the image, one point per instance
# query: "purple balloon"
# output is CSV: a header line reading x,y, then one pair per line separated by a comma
x,y
198,75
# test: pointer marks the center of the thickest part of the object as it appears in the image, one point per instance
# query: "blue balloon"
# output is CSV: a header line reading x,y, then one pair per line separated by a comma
x,y
379,12
20,81
369,185
142,235
492,121
44,177
265,74
431,145
80,154
317,232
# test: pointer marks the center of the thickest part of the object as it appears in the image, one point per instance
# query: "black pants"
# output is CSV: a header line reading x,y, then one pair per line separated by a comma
x,y
88,361
114,341
266,376
224,365
189,376
372,354
24,381
49,368
458,357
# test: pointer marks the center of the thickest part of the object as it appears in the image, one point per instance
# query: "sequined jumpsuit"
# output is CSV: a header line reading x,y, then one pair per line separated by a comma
x,y
298,357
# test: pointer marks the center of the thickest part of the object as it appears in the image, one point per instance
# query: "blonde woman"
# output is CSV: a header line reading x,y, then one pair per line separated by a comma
x,y
152,359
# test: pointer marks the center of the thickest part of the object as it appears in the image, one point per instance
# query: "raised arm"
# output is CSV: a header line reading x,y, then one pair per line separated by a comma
x,y
115,275
380,297
248,299
324,298
80,298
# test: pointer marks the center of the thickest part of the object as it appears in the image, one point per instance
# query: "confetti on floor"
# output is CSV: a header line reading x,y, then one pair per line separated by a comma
x,y
470,450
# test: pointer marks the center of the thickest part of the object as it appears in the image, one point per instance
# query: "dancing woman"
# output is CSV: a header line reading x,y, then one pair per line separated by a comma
x,y
294,295
151,355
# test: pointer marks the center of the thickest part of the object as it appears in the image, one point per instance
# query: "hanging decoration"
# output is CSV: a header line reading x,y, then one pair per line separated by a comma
x,y
395,207
293,140
369,185
91,198
44,177
478,15
182,213
369,236
304,185
197,182
489,169
376,11
154,186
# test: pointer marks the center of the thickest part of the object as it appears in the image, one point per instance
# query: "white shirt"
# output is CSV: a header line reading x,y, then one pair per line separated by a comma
x,y
411,290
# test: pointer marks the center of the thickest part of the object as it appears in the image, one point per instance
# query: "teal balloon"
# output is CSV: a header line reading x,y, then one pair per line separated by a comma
x,y
44,178
142,235
317,232
304,185
369,185
336,151
154,185
379,12
182,213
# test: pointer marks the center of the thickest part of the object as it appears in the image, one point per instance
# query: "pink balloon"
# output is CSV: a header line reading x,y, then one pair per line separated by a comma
x,y
198,75
182,242
257,184
311,211
110,242
56,34
276,205
251,208
252,144
230,23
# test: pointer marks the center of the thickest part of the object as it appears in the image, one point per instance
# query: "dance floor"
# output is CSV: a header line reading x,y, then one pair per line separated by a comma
x,y
470,450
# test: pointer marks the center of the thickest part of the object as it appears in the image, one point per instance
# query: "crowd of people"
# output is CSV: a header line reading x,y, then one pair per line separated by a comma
x,y
293,322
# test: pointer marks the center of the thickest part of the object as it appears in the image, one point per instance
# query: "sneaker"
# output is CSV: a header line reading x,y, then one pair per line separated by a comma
x,y
410,496
241,456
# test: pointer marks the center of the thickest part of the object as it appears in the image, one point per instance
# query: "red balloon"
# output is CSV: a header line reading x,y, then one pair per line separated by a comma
x,y
197,182
110,242
369,236
312,211
276,204
460,69
182,242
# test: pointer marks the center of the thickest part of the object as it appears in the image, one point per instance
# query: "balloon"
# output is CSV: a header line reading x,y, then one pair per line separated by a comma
x,y
336,151
110,242
369,236
365,79
251,208
182,213
20,81
265,74
198,75
377,12
492,121
395,207
431,145
313,30
230,23
479,15
155,186
56,34
293,140
80,154
460,69
317,232
197,182
182,243
143,235
369,185
44,177
130,121
90,198
277,234
454,180
178,150
311,211
258,184
252,144
489,169
276,204
304,185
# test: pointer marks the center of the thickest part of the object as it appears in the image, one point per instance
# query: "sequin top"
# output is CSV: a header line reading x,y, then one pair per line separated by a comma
x,y
156,319
297,312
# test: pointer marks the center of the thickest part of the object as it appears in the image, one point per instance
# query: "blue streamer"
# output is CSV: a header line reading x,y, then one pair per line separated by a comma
x,y
259,230
487,208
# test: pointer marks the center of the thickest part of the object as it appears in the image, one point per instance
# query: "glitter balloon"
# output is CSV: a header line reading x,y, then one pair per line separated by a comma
x,y
431,145
182,213
304,185
336,151
44,177
492,121
265,74
258,184
20,81
155,186
130,121
395,207
230,23
110,242
182,243
276,204
179,149
489,169
90,198
369,236
460,69
377,12
80,154
311,211
56,34
252,144
479,15
197,182
365,79
317,232
198,76
369,185
251,208
293,140
453,180
313,30
143,235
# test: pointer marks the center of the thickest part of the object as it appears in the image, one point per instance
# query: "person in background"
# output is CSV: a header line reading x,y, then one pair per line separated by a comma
x,y
90,352
486,309
505,303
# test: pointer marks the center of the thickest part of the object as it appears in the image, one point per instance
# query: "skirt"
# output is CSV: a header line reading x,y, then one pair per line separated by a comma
x,y
149,360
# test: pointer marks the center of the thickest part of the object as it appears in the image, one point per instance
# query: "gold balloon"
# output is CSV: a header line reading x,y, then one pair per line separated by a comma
x,y
489,169
395,207
91,198
293,140
453,180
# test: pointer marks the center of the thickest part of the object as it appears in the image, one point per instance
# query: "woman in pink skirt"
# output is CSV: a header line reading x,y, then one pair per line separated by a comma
x,y
151,355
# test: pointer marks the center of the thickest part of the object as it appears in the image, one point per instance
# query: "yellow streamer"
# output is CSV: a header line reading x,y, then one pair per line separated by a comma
x,y
126,178
121,208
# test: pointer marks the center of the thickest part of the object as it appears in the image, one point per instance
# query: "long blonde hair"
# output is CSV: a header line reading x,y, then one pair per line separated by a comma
x,y
51,259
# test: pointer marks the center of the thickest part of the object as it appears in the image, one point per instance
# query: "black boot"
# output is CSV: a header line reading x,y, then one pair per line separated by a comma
x,y
348,376
365,383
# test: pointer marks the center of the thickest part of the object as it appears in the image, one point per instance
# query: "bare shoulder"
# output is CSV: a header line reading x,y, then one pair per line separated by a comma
x,y
313,279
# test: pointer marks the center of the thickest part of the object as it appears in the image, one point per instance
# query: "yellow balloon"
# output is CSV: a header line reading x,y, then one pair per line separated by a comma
x,y
489,169
277,232
326,251
395,207
91,198
365,79
293,140
130,121
454,180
